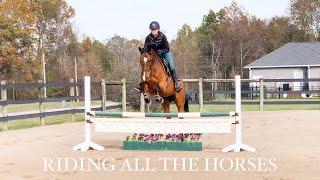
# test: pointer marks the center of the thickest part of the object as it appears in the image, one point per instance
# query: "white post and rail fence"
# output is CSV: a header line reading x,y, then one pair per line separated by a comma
x,y
9,90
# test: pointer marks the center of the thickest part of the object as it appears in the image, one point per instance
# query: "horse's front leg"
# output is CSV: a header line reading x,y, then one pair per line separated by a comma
x,y
147,100
144,91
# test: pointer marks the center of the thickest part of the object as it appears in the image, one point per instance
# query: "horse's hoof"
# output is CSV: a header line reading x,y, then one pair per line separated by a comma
x,y
147,101
159,100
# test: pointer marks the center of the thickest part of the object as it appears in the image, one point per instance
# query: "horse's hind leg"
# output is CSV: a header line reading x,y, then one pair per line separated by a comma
x,y
166,106
179,99
180,106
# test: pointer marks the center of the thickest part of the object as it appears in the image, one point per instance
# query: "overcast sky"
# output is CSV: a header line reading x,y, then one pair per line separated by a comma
x,y
101,19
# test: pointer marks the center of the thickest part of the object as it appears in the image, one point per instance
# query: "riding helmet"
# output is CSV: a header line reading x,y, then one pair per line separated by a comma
x,y
154,25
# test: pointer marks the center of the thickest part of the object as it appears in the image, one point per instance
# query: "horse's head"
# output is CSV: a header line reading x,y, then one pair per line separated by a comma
x,y
147,59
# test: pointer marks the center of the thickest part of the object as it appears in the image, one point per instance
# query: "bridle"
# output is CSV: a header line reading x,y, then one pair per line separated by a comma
x,y
147,69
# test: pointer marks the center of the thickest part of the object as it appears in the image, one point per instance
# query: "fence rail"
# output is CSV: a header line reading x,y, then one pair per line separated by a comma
x,y
42,98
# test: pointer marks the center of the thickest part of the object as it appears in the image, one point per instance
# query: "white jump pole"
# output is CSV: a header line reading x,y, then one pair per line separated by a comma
x,y
88,144
238,146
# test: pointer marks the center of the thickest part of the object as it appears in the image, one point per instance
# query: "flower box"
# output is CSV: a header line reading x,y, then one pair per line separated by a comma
x,y
162,146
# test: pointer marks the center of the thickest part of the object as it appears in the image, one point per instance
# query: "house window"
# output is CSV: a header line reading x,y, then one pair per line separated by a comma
x,y
285,87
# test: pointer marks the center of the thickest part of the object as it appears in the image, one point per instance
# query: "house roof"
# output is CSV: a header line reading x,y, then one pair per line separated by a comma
x,y
294,54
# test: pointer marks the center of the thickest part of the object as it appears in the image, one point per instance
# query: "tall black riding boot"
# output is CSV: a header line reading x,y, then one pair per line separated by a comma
x,y
175,80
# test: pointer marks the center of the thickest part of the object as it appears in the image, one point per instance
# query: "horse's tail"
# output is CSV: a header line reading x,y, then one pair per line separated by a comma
x,y
186,104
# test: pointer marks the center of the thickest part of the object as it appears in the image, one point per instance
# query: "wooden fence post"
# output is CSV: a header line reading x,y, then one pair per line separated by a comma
x,y
76,77
77,92
41,105
4,107
124,95
261,94
72,93
13,92
200,95
142,103
103,95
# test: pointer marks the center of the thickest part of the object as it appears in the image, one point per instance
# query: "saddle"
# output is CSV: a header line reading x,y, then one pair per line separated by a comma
x,y
165,64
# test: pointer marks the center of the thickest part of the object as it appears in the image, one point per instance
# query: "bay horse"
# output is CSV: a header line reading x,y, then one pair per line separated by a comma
x,y
156,83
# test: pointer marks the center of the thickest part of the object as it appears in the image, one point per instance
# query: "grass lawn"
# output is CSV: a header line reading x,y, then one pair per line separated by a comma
x,y
50,105
35,122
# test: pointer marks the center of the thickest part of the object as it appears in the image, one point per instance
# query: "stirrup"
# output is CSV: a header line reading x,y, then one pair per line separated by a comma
x,y
177,89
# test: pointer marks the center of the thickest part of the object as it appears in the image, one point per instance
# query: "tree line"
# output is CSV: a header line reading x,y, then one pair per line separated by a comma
x,y
227,40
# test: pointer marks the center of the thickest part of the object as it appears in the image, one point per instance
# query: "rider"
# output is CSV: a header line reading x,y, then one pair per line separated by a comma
x,y
157,41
